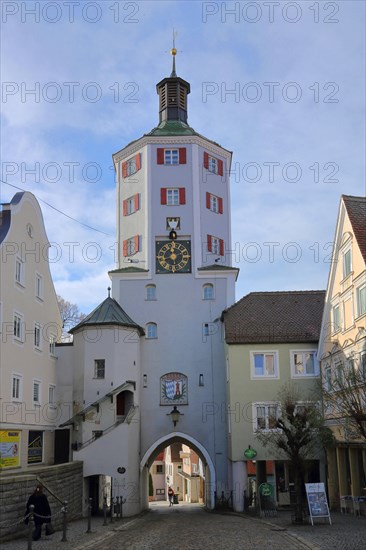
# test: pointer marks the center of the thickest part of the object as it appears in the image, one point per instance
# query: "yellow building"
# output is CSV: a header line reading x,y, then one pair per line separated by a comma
x,y
342,352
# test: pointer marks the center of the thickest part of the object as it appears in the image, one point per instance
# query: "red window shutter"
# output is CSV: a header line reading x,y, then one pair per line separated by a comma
x,y
163,195
222,252
182,155
209,243
138,161
124,169
125,208
160,156
182,195
208,201
136,243
221,208
205,160
137,201
125,248
220,167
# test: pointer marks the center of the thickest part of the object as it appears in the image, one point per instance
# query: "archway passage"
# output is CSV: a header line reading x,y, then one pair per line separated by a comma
x,y
184,464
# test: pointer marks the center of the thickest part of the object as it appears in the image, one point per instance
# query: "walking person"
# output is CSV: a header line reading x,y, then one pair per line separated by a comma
x,y
171,496
42,512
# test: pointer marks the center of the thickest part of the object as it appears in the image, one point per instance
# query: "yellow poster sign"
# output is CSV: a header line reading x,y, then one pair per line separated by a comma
x,y
9,448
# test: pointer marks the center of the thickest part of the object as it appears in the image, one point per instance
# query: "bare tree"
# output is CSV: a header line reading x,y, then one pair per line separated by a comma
x,y
298,435
70,313
344,397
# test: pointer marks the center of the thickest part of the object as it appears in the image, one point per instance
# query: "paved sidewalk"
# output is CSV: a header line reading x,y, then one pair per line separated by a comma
x,y
347,532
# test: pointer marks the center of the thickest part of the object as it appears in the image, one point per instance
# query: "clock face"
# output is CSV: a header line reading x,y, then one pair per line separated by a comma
x,y
173,256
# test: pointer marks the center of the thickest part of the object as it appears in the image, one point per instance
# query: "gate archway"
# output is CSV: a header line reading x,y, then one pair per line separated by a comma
x,y
165,441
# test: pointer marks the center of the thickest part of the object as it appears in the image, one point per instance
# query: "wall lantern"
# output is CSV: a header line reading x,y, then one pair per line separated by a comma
x,y
175,415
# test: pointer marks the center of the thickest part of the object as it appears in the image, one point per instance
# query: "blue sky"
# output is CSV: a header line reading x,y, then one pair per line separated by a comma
x,y
281,84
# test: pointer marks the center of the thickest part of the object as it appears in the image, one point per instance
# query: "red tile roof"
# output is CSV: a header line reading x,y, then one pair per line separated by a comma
x,y
266,317
356,209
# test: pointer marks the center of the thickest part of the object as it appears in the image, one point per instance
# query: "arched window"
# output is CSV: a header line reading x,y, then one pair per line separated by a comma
x,y
208,292
151,330
150,292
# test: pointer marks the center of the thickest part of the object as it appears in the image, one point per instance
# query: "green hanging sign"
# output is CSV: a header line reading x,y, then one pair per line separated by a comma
x,y
250,453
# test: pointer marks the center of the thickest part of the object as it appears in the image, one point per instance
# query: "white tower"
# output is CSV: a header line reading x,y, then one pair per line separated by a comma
x,y
174,278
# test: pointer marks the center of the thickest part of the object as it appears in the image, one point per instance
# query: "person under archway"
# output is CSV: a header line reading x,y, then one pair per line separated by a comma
x,y
171,496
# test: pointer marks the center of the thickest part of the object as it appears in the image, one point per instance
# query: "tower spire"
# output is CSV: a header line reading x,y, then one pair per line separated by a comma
x,y
173,92
173,51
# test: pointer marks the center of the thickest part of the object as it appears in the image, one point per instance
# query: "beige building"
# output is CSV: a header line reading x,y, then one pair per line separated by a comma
x,y
342,350
192,476
271,340
30,326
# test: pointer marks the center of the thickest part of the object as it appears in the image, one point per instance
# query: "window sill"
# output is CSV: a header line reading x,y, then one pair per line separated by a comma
x,y
20,285
265,377
315,375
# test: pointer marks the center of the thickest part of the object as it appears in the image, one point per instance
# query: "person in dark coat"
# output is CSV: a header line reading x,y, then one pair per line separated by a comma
x,y
42,512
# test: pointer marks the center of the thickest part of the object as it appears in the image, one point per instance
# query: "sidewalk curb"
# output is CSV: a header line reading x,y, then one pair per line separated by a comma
x,y
110,533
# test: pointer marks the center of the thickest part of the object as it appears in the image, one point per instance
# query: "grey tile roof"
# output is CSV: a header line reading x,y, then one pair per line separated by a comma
x,y
356,209
266,317
108,312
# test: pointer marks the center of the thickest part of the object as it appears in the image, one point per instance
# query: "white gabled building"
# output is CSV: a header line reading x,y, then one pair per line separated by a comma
x,y
173,278
30,325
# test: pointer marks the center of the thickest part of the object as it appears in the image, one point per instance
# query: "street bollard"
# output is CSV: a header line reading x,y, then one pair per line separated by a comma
x,y
105,510
64,521
30,526
123,500
112,509
89,515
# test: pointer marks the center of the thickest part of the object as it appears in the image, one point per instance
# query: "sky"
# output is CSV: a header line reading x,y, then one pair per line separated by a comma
x,y
280,84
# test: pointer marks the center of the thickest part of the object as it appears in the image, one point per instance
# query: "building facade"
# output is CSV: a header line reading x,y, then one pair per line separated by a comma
x,y
342,351
271,342
30,325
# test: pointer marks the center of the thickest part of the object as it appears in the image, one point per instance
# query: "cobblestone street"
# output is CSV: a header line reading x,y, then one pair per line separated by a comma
x,y
190,527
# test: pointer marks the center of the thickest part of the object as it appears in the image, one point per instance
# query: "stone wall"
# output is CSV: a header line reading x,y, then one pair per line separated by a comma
x,y
64,480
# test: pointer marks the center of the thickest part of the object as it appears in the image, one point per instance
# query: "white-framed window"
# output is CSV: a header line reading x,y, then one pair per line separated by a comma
x,y
37,336
16,387
160,491
51,394
265,416
150,292
172,197
361,300
151,330
39,286
212,164
347,262
131,246
339,373
264,364
215,245
362,363
208,291
160,468
131,166
18,327
19,271
171,156
36,392
304,363
130,203
214,203
336,318
52,345
328,378
99,368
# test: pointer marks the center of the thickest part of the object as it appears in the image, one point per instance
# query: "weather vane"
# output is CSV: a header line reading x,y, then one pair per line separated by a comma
x,y
173,52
